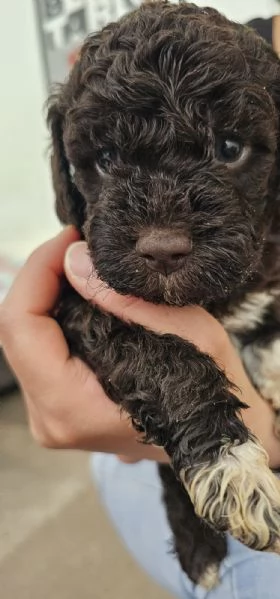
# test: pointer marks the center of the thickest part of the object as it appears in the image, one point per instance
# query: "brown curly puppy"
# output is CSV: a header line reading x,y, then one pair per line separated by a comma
x,y
166,157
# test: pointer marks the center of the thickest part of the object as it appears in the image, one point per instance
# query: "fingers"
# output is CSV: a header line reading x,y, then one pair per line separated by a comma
x,y
148,452
33,342
127,459
81,274
190,322
67,407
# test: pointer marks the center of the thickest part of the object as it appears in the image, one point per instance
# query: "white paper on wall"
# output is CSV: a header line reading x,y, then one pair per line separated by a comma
x,y
64,24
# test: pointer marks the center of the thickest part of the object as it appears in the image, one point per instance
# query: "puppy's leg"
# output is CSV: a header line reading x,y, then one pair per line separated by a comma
x,y
238,493
200,549
180,400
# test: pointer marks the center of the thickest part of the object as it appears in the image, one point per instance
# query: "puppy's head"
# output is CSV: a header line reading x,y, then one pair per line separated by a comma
x,y
165,152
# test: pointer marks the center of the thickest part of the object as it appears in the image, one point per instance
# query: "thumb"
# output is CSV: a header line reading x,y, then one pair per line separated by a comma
x,y
81,274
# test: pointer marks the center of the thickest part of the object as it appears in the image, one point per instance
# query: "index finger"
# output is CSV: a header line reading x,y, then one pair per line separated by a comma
x,y
33,342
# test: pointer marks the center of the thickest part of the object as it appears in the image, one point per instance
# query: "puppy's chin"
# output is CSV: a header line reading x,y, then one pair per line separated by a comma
x,y
210,274
175,289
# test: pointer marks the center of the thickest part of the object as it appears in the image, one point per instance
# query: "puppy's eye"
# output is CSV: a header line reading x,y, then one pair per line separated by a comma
x,y
104,159
231,151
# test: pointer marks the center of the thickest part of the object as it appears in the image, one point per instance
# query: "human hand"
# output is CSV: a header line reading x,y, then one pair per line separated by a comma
x,y
66,405
191,323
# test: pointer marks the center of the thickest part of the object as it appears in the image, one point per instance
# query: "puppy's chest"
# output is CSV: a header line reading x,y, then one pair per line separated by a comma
x,y
247,319
254,327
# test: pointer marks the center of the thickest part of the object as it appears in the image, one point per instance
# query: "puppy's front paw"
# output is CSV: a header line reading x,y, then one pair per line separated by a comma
x,y
238,493
210,578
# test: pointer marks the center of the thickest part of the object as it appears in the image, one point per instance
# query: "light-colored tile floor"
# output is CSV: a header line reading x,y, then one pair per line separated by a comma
x,y
55,539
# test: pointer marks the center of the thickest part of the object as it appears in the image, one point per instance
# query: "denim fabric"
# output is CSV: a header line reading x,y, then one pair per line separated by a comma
x,y
132,497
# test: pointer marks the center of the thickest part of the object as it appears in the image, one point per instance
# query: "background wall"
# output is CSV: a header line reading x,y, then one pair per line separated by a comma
x,y
26,214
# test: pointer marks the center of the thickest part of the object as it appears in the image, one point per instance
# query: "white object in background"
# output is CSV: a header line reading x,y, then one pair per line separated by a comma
x,y
103,11
26,198
243,11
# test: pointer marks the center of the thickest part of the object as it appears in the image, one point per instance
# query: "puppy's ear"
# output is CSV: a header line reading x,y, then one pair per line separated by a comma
x,y
69,204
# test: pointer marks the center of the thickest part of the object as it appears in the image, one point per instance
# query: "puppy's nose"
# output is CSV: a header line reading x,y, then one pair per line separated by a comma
x,y
164,251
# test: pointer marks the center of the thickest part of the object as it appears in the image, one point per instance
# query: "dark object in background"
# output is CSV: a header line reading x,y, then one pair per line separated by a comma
x,y
8,271
263,27
8,382
52,8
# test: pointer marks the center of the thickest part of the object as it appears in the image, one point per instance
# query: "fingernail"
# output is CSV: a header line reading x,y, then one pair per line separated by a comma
x,y
77,260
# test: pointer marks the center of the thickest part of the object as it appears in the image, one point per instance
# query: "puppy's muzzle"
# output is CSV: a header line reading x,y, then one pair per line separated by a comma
x,y
164,250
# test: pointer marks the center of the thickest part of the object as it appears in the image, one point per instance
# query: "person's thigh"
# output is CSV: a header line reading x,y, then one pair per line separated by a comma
x,y
132,497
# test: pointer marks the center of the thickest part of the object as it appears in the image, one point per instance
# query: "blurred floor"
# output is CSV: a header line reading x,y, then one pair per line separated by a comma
x,y
55,540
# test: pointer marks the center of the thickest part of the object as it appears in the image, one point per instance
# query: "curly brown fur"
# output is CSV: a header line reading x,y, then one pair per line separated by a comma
x,y
138,133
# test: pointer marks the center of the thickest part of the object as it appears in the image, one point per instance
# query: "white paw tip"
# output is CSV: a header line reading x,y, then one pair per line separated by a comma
x,y
210,577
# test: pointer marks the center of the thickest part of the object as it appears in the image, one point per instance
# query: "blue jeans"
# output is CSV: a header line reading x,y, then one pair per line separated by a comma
x,y
132,497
